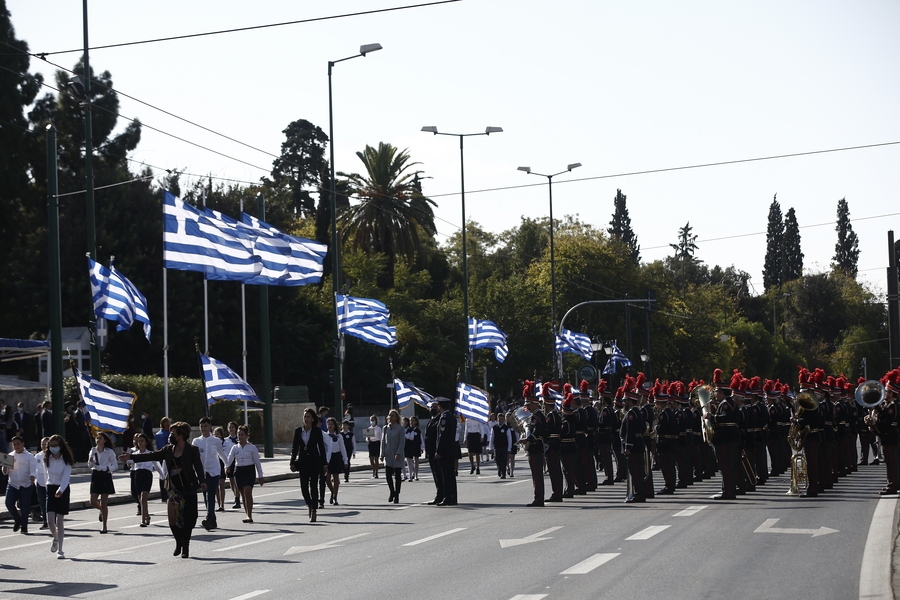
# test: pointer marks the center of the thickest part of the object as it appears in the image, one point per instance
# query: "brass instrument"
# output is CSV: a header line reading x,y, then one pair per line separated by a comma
x,y
799,471
870,393
521,422
704,397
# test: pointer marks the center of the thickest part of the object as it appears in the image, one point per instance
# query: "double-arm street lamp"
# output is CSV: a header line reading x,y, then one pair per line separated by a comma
x,y
335,244
462,178
558,356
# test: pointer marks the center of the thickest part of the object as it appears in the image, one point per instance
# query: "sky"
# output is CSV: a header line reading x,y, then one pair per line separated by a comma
x,y
621,87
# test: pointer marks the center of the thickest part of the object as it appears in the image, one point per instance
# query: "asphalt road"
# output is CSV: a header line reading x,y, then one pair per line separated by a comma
x,y
764,545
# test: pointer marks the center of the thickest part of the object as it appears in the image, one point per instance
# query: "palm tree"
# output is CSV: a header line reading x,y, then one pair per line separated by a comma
x,y
392,214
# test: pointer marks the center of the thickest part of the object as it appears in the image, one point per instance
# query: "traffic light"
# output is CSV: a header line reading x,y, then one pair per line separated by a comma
x,y
330,376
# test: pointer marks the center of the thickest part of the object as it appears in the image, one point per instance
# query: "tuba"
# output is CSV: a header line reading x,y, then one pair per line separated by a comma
x,y
704,397
521,422
870,393
805,402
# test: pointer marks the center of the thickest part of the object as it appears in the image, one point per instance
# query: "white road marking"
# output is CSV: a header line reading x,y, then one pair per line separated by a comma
x,y
410,506
91,555
515,482
534,537
322,546
434,537
44,541
258,496
589,564
249,595
648,533
268,539
529,597
767,527
690,511
875,572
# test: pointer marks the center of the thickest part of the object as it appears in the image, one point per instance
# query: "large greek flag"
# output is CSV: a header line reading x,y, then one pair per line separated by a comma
x,y
366,319
485,334
286,260
472,402
117,299
579,343
407,392
109,408
616,359
224,384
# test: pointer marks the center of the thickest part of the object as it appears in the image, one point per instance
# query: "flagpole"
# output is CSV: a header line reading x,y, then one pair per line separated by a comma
x,y
265,351
244,334
205,300
202,378
165,343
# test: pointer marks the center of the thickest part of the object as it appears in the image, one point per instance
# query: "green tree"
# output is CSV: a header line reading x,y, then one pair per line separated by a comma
x,y
793,255
846,250
302,163
684,259
772,266
620,228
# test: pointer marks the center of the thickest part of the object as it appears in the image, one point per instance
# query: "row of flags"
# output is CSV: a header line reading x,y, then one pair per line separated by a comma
x,y
471,401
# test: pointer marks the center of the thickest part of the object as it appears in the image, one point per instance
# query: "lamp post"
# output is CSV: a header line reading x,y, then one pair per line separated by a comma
x,y
335,259
558,357
462,182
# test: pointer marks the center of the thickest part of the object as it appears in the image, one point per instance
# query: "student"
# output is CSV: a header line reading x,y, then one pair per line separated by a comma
x,y
102,461
58,463
21,479
142,477
374,441
308,458
40,484
413,448
349,444
220,493
211,454
335,457
393,442
247,469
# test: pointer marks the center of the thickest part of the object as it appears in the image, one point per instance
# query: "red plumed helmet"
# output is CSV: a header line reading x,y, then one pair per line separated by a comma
x,y
639,382
803,375
736,380
601,387
567,389
769,386
528,390
819,376
717,377
584,387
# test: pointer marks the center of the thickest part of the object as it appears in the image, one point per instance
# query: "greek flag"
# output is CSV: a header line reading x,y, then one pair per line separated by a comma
x,y
109,408
472,402
286,260
366,319
557,396
616,359
485,334
117,299
579,343
224,384
407,391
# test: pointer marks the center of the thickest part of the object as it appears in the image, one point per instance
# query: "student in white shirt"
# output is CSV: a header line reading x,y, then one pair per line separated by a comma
x,y
142,476
103,462
21,479
374,441
220,493
475,434
335,457
247,469
210,454
40,484
58,462
230,442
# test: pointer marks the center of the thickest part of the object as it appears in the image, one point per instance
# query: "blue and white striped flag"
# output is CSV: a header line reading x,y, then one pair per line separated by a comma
x,y
366,319
485,334
224,384
286,260
579,343
557,396
407,391
117,299
616,359
472,402
109,408
193,241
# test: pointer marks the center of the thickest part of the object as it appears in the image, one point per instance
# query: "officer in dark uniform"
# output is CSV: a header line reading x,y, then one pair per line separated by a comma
x,y
746,475
810,421
826,408
552,443
619,413
607,424
535,442
586,436
568,448
685,422
632,434
727,435
431,435
447,451
649,416
885,420
666,439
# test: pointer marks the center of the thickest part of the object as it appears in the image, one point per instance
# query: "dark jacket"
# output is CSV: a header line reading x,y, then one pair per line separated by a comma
x,y
192,466
310,454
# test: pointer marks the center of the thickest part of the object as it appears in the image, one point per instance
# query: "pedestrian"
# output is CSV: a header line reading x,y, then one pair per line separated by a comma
x,y
127,435
336,458
40,484
392,449
447,451
230,442
405,424
430,442
102,461
211,455
58,463
308,459
146,425
23,423
184,475
534,442
348,417
47,420
244,459
220,492
413,448
142,477
500,443
349,445
22,476
374,440
475,431
511,457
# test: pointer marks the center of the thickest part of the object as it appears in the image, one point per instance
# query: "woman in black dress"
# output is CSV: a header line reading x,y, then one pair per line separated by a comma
x,y
308,458
184,476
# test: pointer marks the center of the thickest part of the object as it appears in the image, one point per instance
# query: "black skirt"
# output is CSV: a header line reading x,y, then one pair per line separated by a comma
x,y
142,481
245,476
336,464
102,483
473,442
56,505
375,449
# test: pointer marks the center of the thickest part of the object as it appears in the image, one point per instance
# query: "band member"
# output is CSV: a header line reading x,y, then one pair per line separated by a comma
x,y
447,450
568,448
632,434
773,416
535,442
684,419
552,443
585,436
810,420
746,476
607,423
649,416
760,426
666,439
885,421
726,427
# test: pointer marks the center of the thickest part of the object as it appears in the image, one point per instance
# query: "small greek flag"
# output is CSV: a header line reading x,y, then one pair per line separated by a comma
x,y
557,396
224,384
485,334
616,359
109,408
579,343
472,402
366,319
117,299
407,391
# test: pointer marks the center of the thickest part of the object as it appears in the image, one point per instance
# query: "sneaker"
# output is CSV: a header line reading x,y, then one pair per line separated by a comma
x,y
60,555
54,546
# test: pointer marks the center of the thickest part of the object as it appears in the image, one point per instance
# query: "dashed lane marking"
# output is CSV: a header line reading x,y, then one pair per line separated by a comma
x,y
268,539
648,533
690,511
589,564
434,537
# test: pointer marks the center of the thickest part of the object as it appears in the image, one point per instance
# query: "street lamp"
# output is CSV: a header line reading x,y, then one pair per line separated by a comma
x,y
557,354
462,182
335,260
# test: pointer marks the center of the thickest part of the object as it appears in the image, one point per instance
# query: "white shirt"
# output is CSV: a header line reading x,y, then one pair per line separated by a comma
x,y
210,453
103,461
333,446
41,478
244,456
24,469
149,465
58,473
473,426
376,434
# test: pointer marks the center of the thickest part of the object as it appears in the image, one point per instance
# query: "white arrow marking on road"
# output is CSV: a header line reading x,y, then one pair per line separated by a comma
x,y
690,511
434,537
534,537
322,546
91,555
589,564
767,528
268,539
648,533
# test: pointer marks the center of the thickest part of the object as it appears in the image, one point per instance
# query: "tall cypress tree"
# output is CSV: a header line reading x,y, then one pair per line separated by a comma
x,y
846,250
620,228
793,256
772,268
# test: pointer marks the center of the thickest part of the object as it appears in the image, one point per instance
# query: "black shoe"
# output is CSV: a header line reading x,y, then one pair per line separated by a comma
x,y
184,551
236,505
863,462
553,499
177,549
397,499
887,491
478,471
606,482
535,503
435,502
16,527
321,503
723,497
807,495
665,491
472,470
634,499
447,503
876,462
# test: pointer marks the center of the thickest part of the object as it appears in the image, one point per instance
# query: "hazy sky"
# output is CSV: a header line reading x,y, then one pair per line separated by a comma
x,y
620,87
